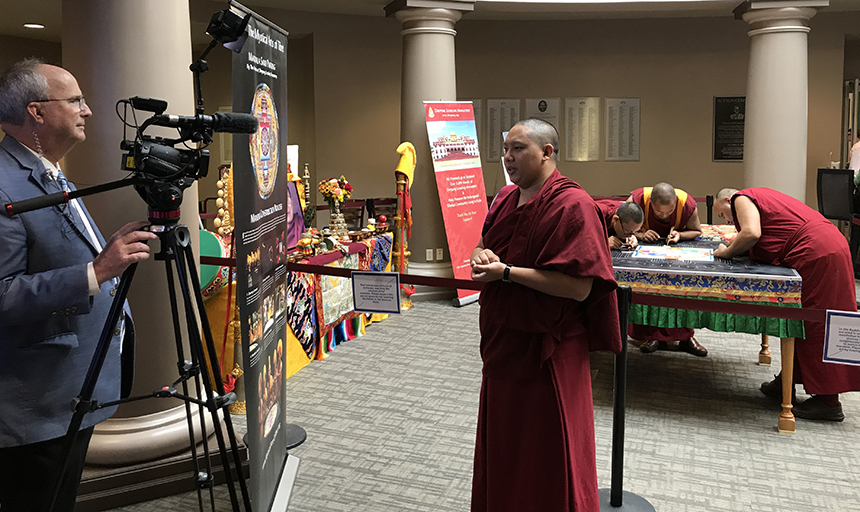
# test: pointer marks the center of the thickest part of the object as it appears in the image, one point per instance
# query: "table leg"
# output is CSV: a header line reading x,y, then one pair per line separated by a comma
x,y
786,418
764,354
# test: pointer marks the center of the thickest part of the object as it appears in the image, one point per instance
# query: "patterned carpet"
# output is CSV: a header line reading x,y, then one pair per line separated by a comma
x,y
391,422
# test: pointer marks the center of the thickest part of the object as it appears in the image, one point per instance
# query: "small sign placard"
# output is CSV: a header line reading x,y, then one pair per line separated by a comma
x,y
842,338
376,292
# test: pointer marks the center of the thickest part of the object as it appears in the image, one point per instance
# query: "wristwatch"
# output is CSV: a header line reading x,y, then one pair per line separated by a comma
x,y
506,277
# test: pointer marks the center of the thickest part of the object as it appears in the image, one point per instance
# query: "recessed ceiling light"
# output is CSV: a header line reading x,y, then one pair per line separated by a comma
x,y
33,25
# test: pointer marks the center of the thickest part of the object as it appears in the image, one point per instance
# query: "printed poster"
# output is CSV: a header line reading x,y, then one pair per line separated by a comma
x,y
262,207
459,180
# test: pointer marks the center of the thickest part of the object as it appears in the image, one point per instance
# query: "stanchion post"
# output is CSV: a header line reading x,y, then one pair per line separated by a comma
x,y
615,498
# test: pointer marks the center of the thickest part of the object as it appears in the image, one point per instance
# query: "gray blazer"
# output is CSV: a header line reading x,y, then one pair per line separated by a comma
x,y
49,324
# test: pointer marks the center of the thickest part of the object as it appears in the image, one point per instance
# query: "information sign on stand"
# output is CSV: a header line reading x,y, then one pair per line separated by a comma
x,y
376,292
842,338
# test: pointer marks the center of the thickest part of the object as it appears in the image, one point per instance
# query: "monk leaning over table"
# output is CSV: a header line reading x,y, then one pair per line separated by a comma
x,y
622,220
780,230
547,300
672,214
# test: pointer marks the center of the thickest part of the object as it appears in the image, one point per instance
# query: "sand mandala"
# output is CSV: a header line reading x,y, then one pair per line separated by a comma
x,y
671,252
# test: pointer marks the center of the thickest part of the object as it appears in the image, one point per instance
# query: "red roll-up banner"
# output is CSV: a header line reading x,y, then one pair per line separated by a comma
x,y
459,179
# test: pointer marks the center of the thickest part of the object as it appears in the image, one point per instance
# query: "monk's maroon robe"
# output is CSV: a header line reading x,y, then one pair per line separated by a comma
x,y
535,441
608,207
649,332
663,227
794,235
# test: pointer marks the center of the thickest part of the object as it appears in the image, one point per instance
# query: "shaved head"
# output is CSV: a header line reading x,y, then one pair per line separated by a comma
x,y
630,212
664,193
542,133
725,193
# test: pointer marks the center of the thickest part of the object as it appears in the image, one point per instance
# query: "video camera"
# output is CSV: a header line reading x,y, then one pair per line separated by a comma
x,y
164,169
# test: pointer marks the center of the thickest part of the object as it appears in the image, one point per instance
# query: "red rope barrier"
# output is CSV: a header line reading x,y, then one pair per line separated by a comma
x,y
712,306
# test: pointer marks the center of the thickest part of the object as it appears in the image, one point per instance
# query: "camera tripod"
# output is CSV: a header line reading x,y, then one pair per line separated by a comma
x,y
176,253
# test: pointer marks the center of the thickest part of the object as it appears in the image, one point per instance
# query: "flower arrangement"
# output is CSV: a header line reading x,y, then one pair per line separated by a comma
x,y
335,190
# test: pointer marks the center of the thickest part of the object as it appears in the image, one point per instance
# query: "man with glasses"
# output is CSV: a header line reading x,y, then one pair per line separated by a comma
x,y
622,220
57,279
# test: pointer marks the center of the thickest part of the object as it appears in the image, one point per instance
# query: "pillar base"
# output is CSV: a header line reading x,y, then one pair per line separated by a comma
x,y
107,488
125,441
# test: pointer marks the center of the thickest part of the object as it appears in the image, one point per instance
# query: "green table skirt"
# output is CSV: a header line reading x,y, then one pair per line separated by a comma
x,y
723,322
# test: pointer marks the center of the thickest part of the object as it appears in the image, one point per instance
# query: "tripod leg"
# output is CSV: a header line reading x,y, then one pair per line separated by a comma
x,y
83,403
185,370
185,269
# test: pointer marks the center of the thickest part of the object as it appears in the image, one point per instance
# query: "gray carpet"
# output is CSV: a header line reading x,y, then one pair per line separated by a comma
x,y
391,422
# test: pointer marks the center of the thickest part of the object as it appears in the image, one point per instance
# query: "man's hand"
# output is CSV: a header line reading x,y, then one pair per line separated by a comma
x,y
481,256
648,236
492,271
126,246
722,252
674,237
485,265
631,242
617,243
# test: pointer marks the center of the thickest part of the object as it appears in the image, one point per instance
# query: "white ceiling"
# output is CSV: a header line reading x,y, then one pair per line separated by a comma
x,y
48,12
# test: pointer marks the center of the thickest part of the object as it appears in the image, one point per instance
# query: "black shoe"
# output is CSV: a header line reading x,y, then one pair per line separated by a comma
x,y
691,346
814,408
652,346
773,389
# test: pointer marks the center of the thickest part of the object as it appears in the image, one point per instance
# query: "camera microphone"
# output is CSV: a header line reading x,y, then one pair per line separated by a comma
x,y
223,122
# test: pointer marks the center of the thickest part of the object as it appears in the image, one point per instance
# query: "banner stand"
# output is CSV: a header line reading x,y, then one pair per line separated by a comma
x,y
459,302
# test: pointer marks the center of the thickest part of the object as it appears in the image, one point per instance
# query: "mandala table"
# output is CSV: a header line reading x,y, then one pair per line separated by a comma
x,y
737,281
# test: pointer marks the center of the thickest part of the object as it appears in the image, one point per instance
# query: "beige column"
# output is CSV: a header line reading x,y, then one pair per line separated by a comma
x,y
428,74
775,132
118,50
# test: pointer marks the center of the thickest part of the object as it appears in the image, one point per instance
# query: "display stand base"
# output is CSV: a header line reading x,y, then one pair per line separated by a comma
x,y
459,302
629,502
296,435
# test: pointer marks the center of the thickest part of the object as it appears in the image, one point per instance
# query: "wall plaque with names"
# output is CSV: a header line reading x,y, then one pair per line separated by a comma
x,y
582,129
622,129
501,116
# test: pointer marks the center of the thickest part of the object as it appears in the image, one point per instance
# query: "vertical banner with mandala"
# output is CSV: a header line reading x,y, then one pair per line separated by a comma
x,y
459,180
262,207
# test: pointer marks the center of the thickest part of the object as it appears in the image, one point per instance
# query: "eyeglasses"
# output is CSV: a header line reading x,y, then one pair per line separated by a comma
x,y
78,101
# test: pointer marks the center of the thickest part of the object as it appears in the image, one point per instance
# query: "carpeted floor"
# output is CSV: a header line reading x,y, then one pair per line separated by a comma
x,y
391,422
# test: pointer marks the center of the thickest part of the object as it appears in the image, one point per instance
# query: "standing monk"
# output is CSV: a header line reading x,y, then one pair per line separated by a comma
x,y
780,230
547,301
672,214
622,221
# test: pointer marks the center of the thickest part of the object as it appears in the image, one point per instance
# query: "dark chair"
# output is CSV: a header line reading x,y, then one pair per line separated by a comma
x,y
353,215
836,193
382,206
836,201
